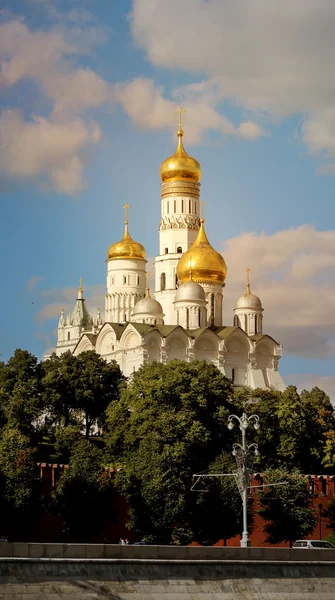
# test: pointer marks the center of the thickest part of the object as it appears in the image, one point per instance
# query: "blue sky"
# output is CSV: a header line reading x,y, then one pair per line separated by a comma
x,y
89,91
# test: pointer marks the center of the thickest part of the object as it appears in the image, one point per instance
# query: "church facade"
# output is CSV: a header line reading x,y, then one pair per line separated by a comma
x,y
183,318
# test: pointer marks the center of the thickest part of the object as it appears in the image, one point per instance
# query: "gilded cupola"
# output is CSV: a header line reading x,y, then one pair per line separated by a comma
x,y
180,166
201,262
127,247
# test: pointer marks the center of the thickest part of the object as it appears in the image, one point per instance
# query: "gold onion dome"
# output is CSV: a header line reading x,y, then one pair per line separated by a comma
x,y
201,262
126,248
180,166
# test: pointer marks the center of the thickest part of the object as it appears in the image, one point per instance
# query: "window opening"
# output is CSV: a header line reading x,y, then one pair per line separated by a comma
x,y
163,282
166,251
179,250
233,375
68,335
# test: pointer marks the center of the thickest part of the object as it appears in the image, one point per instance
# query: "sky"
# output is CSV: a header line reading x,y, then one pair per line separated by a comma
x,y
89,89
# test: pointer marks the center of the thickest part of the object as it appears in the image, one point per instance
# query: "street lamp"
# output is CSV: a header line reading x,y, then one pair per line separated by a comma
x,y
244,460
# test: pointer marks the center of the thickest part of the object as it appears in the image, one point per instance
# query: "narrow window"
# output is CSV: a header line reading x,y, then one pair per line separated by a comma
x,y
179,250
112,280
256,324
175,206
182,206
166,251
245,322
68,335
236,321
189,206
167,210
212,309
187,318
137,280
163,282
233,375
124,280
199,317
125,317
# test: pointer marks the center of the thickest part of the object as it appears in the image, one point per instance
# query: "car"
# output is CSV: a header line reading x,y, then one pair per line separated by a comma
x,y
318,544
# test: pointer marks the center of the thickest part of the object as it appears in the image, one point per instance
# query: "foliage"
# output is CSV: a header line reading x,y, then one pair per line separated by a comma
x,y
169,423
65,440
84,493
305,423
20,392
76,385
218,511
60,388
287,509
19,482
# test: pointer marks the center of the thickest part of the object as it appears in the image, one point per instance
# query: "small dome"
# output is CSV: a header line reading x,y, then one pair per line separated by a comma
x,y
180,166
249,300
147,306
126,248
205,264
190,291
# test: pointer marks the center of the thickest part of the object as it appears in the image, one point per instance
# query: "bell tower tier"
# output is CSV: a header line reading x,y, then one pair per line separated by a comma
x,y
178,229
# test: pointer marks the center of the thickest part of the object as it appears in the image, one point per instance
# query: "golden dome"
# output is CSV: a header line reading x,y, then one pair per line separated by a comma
x,y
126,248
201,262
180,166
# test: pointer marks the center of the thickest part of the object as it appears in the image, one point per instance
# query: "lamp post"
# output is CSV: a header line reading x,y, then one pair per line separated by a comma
x,y
242,453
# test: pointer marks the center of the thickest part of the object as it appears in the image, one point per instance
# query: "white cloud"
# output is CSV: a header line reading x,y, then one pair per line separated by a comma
x,y
146,105
293,274
49,148
45,148
273,58
33,282
54,299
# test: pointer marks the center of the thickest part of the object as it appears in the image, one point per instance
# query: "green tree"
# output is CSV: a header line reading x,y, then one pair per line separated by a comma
x,y
169,423
98,385
218,511
305,425
80,385
19,483
287,509
60,383
21,393
84,493
65,440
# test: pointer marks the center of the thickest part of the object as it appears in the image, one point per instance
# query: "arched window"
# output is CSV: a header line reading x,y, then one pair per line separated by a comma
x,y
68,335
187,318
166,251
199,317
245,323
236,321
163,282
174,206
233,375
189,206
124,280
179,250
137,280
182,206
256,324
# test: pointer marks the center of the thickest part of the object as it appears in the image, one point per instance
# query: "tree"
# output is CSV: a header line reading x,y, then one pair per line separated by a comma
x,y
20,392
65,440
305,424
169,423
218,511
80,385
60,382
98,385
287,509
19,483
84,493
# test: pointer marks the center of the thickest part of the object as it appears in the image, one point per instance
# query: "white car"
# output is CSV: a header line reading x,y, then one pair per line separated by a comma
x,y
320,544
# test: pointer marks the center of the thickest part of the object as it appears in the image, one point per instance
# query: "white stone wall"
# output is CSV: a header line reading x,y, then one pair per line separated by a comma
x,y
126,285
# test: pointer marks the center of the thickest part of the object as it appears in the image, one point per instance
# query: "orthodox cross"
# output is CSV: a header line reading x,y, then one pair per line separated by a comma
x,y
179,112
126,206
248,279
202,210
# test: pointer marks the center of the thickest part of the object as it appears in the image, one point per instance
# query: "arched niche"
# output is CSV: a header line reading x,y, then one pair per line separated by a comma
x,y
106,341
83,345
176,344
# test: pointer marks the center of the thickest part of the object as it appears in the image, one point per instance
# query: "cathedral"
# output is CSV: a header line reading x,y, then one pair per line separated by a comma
x,y
183,317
